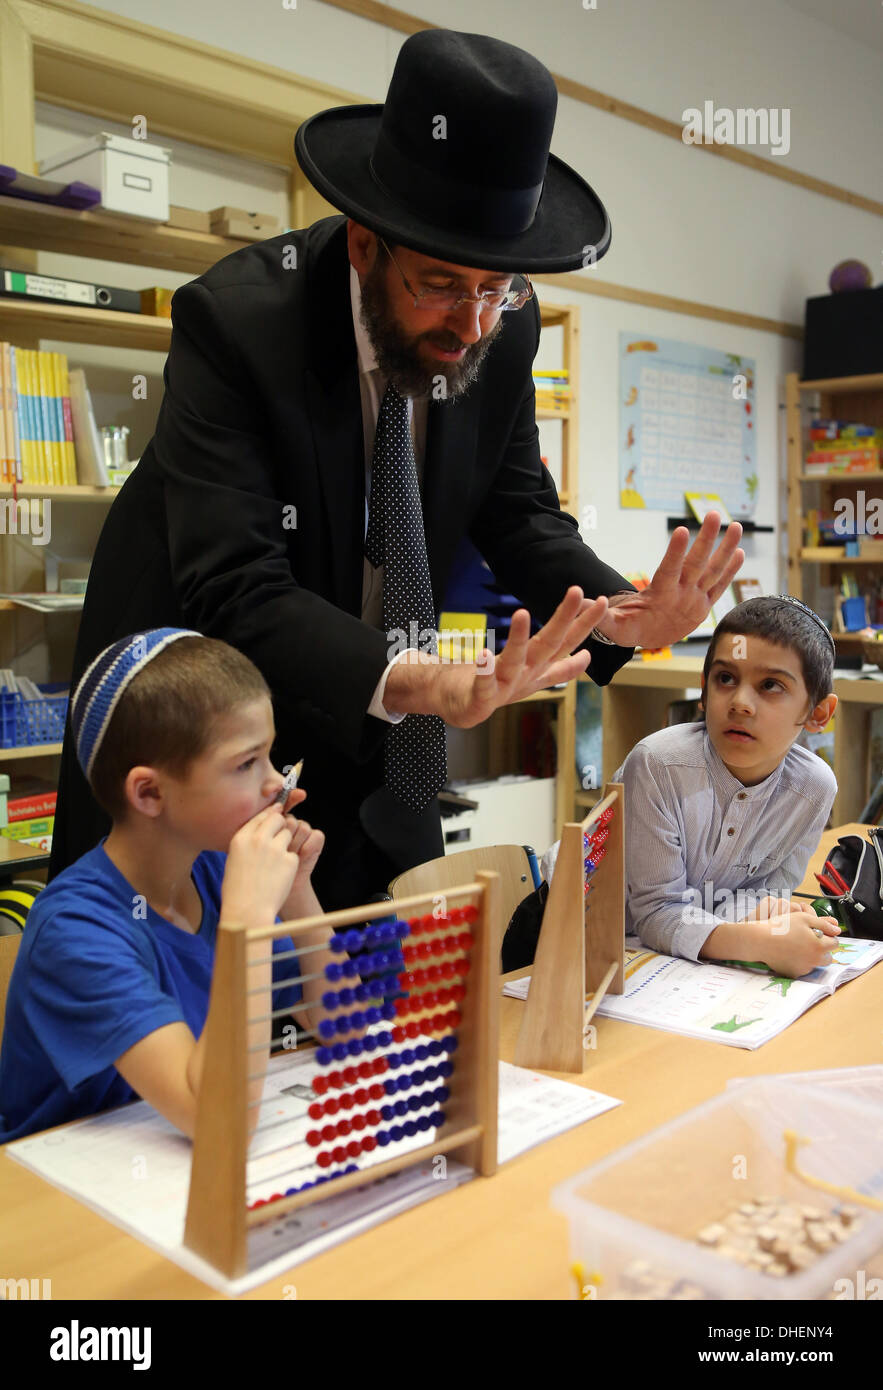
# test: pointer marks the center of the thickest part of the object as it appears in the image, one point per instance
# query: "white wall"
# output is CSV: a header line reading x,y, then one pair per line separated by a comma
x,y
685,223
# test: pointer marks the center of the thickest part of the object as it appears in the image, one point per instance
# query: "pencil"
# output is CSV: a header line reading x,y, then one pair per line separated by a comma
x,y
289,784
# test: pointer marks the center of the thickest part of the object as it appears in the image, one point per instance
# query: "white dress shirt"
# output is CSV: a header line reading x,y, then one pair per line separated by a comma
x,y
372,385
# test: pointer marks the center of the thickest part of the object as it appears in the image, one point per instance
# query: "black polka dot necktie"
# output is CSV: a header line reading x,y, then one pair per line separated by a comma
x,y
415,756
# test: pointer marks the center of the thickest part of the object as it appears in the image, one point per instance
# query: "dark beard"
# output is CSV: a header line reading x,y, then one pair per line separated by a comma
x,y
397,354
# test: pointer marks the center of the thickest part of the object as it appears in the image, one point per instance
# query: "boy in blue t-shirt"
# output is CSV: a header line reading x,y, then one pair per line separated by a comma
x,y
109,995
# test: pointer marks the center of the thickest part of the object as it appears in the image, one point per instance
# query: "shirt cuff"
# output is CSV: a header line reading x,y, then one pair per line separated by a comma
x,y
376,706
597,636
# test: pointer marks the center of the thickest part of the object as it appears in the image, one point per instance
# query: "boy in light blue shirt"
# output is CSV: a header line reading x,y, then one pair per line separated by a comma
x,y
723,815
109,994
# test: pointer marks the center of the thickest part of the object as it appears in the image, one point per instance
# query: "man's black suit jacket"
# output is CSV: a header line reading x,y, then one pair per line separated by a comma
x,y
262,413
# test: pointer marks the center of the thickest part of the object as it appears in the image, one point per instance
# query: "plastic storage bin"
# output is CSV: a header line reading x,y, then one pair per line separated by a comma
x,y
24,722
647,1202
864,1084
133,175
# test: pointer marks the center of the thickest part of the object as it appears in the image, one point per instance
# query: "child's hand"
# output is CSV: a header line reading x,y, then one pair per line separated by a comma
x,y
260,868
794,946
306,842
774,907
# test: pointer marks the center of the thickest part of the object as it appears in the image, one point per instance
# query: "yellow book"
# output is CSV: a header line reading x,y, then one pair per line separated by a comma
x,y
58,421
5,452
70,463
43,376
29,453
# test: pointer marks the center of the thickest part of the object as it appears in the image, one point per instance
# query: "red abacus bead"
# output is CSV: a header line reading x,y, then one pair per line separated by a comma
x,y
324,1159
346,1101
409,954
329,1132
338,1154
373,1117
456,914
354,1148
429,999
464,966
335,1079
376,1092
454,1019
413,1030
315,1111
448,970
365,1069
380,1065
343,1127
359,1122
360,1096
398,1035
464,940
457,992
425,950
443,997
402,1007
470,912
433,974
314,1138
350,1075
332,1105
320,1085
369,1143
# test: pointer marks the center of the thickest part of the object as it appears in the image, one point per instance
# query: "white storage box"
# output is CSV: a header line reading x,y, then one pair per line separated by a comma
x,y
634,1217
863,1084
133,176
511,811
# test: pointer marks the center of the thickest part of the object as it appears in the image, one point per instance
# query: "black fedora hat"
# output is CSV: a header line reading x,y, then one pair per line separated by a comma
x,y
456,163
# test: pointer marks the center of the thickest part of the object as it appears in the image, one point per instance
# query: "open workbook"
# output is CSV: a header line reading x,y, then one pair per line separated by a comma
x,y
741,1005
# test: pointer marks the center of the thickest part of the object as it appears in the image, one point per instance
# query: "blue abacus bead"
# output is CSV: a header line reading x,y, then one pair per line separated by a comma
x,y
401,1108
353,940
339,1052
445,1068
382,1138
354,1047
373,1015
347,996
329,999
390,1086
376,989
396,1133
435,1047
384,1038
387,1113
351,1168
327,1028
350,969
403,929
362,993
424,1123
404,1082
333,972
290,1191
410,1128
449,1043
337,944
421,1052
389,1011
323,1056
407,1056
342,1023
393,1060
373,935
324,1178
438,1118
414,1103
357,1019
442,1094
369,1044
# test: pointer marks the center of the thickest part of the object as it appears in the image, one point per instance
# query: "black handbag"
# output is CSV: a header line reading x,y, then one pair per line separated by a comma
x,y
859,863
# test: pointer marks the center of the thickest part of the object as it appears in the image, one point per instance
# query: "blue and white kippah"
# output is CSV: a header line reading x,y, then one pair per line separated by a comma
x,y
102,684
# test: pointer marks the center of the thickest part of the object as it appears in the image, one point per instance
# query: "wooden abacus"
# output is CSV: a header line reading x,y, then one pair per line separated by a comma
x,y
456,953
581,947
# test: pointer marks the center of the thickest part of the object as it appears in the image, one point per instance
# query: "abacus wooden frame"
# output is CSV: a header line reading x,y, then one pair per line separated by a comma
x,y
218,1222
581,948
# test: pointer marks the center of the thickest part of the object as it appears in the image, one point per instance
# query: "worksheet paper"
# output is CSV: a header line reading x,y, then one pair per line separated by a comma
x,y
737,1005
133,1167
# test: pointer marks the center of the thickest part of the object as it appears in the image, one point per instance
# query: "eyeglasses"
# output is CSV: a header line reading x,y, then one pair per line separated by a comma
x,y
452,299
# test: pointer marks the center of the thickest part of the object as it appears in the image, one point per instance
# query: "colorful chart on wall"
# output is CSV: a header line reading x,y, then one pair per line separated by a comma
x,y
686,424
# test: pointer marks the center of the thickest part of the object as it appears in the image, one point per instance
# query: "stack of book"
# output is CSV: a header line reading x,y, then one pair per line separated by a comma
x,y
552,389
31,812
840,446
36,428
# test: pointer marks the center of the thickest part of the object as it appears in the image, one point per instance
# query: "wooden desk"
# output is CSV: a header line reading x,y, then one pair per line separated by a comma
x,y
492,1238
